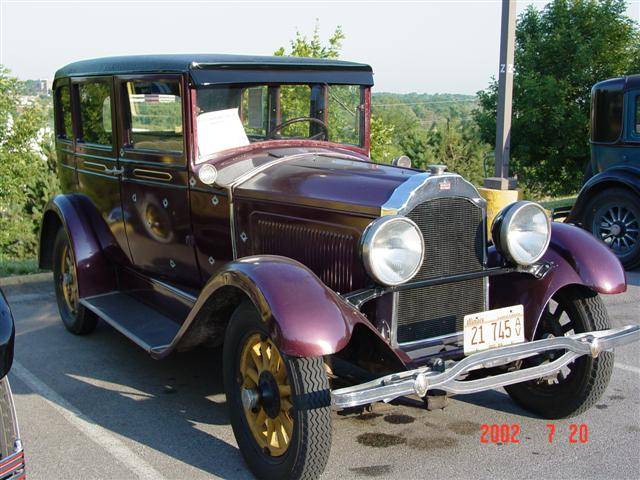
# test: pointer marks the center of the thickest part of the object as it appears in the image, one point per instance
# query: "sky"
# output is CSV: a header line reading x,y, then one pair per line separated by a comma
x,y
413,46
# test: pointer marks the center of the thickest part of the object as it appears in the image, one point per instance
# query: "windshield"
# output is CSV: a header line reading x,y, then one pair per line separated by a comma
x,y
230,116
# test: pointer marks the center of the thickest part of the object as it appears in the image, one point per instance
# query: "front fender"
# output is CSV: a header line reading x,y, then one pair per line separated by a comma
x,y
577,258
94,273
304,316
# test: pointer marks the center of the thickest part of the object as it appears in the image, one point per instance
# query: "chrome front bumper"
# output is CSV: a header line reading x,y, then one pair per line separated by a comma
x,y
421,380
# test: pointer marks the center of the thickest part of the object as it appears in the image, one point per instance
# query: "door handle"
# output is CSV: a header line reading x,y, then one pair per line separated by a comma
x,y
95,167
115,170
152,175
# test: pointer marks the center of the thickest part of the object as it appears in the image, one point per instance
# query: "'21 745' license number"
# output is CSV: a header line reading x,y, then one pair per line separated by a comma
x,y
493,328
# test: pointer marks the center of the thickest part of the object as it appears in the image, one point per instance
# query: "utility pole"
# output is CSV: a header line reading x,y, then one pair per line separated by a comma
x,y
505,94
500,190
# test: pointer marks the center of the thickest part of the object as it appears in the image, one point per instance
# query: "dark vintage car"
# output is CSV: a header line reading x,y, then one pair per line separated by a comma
x,y
230,200
609,202
12,465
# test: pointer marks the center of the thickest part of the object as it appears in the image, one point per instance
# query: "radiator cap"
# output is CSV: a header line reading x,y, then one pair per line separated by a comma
x,y
437,169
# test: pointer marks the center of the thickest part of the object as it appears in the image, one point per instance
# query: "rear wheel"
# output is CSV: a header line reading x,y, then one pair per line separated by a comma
x,y
279,405
76,318
613,216
579,385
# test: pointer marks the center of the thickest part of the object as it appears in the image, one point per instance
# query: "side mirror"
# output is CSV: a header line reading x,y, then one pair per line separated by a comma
x,y
401,161
7,336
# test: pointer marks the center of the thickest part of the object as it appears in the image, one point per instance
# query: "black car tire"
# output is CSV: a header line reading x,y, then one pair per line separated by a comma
x,y
588,377
78,321
600,206
308,450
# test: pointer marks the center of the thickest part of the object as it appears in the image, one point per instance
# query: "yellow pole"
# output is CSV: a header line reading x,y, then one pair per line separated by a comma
x,y
496,201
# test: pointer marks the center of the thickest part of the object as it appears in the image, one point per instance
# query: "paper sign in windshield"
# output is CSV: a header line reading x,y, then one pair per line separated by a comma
x,y
220,130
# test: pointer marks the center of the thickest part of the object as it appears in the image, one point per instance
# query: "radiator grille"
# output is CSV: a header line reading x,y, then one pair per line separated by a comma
x,y
330,255
453,231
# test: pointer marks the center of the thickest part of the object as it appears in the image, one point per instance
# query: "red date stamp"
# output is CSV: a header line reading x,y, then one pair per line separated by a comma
x,y
503,433
499,433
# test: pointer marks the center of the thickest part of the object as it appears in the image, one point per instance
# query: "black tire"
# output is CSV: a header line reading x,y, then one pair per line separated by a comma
x,y
77,319
310,444
604,207
588,377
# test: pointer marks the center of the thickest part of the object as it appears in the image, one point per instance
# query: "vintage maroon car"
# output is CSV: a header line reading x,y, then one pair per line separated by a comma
x,y
230,200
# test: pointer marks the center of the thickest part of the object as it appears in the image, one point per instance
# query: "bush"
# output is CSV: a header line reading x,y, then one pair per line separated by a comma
x,y
27,168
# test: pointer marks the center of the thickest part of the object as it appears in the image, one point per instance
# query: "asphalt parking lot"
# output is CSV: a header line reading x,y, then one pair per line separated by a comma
x,y
97,407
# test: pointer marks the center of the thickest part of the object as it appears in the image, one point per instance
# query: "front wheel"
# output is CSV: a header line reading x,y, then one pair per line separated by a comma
x,y
279,406
579,385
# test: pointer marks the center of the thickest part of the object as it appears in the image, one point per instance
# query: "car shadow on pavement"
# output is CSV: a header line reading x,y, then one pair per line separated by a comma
x,y
497,400
633,277
170,406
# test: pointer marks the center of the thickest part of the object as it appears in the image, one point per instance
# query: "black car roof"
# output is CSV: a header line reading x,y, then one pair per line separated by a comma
x,y
182,63
628,82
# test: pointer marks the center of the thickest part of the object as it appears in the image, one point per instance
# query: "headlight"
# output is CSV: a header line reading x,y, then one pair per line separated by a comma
x,y
521,232
392,250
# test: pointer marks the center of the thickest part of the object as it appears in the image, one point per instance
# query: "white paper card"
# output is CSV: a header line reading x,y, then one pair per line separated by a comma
x,y
220,130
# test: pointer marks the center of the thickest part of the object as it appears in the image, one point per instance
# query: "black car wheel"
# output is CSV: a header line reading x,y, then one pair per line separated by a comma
x,y
280,406
76,318
579,385
613,216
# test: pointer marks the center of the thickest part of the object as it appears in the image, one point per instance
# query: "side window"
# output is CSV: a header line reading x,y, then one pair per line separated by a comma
x,y
254,110
95,119
64,128
155,115
637,117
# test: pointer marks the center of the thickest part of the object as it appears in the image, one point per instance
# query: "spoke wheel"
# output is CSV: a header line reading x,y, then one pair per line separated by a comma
x,y
76,318
266,395
613,216
68,279
279,405
577,386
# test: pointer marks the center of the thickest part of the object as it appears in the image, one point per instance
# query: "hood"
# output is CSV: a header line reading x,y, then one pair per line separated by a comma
x,y
321,178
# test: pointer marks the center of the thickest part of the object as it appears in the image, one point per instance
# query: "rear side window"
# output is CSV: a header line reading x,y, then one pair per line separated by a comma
x,y
606,113
95,112
637,122
63,113
155,115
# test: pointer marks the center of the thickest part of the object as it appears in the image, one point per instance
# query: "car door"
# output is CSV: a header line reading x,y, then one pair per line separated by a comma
x,y
155,193
97,162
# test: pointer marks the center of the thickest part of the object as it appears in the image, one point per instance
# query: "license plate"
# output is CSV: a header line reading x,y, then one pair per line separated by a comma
x,y
493,328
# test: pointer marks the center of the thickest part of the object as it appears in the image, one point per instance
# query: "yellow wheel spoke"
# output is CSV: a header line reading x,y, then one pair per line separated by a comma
x,y
282,441
285,390
285,405
257,361
287,423
270,428
252,375
260,418
263,353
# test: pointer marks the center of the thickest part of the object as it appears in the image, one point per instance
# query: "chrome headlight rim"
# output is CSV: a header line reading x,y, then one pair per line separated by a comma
x,y
501,228
370,234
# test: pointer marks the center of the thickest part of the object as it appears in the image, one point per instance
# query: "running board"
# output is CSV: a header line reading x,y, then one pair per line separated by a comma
x,y
142,324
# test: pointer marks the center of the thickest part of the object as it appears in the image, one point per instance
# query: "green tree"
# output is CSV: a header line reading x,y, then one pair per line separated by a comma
x,y
561,51
27,167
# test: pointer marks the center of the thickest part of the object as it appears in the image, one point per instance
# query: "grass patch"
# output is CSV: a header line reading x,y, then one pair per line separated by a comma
x,y
552,203
9,267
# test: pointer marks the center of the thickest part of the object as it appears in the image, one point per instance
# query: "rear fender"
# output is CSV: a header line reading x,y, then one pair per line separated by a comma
x,y
95,274
305,318
625,176
576,258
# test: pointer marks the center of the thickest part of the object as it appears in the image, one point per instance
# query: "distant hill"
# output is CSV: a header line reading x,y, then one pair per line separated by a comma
x,y
422,108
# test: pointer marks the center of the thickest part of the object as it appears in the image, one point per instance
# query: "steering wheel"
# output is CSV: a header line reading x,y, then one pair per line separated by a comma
x,y
324,134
